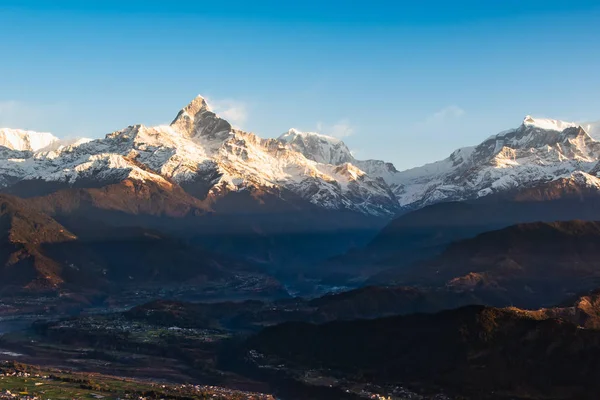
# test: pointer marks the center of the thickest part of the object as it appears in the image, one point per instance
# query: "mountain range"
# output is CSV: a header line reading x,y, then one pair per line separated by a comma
x,y
203,154
214,193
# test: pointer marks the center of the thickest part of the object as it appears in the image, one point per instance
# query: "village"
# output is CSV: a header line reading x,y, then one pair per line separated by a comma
x,y
18,381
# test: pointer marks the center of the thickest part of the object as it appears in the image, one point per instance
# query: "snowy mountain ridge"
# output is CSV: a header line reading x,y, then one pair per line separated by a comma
x,y
200,148
23,140
548,124
317,147
538,151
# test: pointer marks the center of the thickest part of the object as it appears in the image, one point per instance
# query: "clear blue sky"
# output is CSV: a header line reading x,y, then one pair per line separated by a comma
x,y
404,81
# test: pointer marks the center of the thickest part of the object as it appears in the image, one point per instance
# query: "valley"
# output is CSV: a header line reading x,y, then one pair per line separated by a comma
x,y
406,349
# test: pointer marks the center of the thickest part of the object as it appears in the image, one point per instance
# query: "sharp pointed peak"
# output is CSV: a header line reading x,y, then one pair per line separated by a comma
x,y
197,118
193,108
199,102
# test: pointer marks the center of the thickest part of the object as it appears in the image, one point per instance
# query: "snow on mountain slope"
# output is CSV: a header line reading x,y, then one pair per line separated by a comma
x,y
329,150
539,151
247,160
320,148
200,148
548,124
22,140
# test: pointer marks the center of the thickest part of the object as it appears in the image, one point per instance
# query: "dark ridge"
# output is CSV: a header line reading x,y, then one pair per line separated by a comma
x,y
527,265
475,351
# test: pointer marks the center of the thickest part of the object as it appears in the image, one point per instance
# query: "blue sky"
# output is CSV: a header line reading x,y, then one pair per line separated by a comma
x,y
406,82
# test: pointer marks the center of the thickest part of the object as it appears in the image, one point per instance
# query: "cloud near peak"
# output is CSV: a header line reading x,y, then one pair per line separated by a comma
x,y
339,129
234,111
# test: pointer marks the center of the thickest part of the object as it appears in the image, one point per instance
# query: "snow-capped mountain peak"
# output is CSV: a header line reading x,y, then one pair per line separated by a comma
x,y
548,124
318,147
23,140
533,133
294,134
198,120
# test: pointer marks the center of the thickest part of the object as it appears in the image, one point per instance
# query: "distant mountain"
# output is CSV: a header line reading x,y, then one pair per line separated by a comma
x,y
537,152
23,140
317,147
